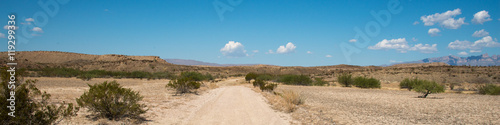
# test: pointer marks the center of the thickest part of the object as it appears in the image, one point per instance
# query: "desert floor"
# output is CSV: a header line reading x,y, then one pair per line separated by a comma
x,y
232,103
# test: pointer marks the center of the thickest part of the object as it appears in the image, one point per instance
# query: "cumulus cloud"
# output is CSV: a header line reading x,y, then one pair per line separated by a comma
x,y
37,29
30,20
353,40
255,51
2,35
402,46
309,52
270,52
328,56
425,48
480,33
481,17
445,19
6,27
463,53
477,46
434,31
289,48
234,49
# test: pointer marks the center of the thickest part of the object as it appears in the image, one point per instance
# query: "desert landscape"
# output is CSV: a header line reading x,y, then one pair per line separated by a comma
x,y
231,99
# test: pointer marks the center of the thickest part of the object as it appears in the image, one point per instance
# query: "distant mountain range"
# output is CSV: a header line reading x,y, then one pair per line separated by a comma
x,y
200,63
480,60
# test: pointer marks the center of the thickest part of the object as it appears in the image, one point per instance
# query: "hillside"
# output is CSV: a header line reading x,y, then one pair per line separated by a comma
x,y
201,63
480,60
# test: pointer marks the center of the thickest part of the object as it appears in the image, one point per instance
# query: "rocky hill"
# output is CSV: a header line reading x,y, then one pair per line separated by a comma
x,y
201,63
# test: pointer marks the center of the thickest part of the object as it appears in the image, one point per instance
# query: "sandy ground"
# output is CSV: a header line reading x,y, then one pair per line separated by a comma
x,y
227,104
325,105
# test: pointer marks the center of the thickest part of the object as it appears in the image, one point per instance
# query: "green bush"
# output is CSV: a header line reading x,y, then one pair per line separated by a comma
x,y
345,79
86,76
251,76
31,105
319,82
489,89
183,85
265,77
363,82
110,100
295,80
195,76
428,87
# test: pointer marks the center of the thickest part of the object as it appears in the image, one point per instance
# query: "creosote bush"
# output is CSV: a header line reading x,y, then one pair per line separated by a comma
x,y
363,82
345,79
251,76
110,100
295,80
264,86
28,110
489,89
183,85
319,82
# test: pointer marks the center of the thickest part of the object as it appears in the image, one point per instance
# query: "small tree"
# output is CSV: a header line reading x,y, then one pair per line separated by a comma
x,y
428,87
251,76
112,101
409,84
345,79
489,89
363,82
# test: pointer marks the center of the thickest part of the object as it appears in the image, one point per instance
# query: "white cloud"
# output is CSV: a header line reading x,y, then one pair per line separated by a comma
x,y
398,44
480,33
481,17
289,48
414,39
6,27
233,49
475,51
416,22
2,35
37,29
270,52
353,40
460,45
425,48
463,53
309,52
477,46
446,19
434,31
30,20
394,61
402,46
255,51
328,56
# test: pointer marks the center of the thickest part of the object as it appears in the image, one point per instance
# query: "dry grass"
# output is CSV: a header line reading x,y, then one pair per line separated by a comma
x,y
286,101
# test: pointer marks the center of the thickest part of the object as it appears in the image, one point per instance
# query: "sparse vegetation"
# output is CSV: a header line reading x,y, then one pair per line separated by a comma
x,y
345,79
251,76
29,110
292,100
264,86
489,89
363,82
319,82
88,75
184,85
110,100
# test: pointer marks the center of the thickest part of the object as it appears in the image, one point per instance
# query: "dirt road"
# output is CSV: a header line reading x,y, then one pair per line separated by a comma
x,y
236,105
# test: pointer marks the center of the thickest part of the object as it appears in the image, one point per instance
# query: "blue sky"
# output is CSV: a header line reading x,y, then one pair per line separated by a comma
x,y
311,33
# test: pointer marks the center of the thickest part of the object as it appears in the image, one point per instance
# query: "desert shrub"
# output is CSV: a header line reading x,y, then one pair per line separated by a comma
x,y
69,72
265,77
251,76
363,82
110,100
258,83
29,110
428,87
489,89
319,82
345,79
409,83
184,85
264,86
295,80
